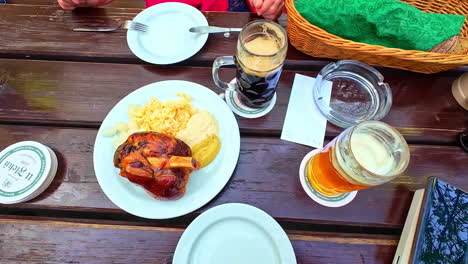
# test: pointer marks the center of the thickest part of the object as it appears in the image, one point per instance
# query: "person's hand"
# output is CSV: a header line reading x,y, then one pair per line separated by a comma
x,y
269,9
72,4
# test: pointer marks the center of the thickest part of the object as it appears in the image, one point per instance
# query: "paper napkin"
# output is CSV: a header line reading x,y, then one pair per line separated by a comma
x,y
304,123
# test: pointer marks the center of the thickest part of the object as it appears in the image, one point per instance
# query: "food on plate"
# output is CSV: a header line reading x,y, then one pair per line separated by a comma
x,y
201,134
198,129
158,162
167,117
206,150
200,126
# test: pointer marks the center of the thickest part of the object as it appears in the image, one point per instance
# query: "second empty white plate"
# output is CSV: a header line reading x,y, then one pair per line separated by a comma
x,y
234,233
168,39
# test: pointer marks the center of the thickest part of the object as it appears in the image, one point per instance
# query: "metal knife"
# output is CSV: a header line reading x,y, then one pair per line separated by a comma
x,y
210,29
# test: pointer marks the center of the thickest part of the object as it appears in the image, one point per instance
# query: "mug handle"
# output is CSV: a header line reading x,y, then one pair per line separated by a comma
x,y
218,63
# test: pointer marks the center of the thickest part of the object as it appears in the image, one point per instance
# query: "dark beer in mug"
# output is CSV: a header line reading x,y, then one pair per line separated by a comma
x,y
256,91
261,50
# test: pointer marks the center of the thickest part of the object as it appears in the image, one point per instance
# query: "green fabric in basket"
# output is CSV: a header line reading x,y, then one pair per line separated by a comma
x,y
388,23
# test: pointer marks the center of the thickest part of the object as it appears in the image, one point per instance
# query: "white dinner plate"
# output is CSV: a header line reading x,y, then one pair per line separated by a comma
x,y
234,233
168,39
203,184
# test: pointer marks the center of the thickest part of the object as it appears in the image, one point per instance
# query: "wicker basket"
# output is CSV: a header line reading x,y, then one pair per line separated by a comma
x,y
317,42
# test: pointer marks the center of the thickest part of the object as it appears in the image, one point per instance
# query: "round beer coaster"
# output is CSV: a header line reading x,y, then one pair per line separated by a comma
x,y
50,178
325,200
242,110
26,169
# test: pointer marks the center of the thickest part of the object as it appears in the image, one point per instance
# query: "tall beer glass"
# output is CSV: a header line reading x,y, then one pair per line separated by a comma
x,y
261,50
367,154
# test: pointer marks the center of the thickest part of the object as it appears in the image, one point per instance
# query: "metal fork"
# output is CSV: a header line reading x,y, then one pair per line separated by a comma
x,y
138,26
127,24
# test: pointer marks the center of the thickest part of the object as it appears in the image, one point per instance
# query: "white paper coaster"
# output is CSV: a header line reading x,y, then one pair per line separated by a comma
x,y
242,110
325,200
50,178
302,112
26,169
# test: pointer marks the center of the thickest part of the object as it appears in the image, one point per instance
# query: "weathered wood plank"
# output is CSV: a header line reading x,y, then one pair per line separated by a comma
x,y
34,241
29,31
266,177
81,93
45,32
116,3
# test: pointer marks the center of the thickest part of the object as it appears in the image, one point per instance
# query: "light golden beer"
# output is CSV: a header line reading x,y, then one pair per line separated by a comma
x,y
365,155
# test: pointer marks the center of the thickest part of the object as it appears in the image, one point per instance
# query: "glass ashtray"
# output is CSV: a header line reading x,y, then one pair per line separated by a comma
x,y
358,93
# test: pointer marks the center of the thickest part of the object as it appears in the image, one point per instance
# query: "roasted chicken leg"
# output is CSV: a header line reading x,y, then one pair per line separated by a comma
x,y
160,163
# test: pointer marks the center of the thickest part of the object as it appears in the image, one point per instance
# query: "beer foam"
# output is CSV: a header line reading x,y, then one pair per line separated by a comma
x,y
265,43
372,154
267,46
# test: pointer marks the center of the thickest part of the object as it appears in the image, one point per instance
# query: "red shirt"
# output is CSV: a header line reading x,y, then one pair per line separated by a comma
x,y
203,5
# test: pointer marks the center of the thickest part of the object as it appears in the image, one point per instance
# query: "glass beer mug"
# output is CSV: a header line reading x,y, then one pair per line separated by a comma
x,y
261,50
368,154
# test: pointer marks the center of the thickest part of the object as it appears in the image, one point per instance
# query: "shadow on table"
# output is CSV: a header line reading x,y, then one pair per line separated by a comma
x,y
58,180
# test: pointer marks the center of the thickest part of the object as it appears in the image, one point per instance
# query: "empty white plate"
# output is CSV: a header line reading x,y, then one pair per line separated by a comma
x,y
168,39
234,233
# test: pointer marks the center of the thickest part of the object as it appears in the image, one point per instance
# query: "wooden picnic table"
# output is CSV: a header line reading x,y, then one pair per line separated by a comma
x,y
58,85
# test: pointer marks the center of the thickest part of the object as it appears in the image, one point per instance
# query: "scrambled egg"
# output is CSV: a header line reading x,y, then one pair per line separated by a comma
x,y
168,117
